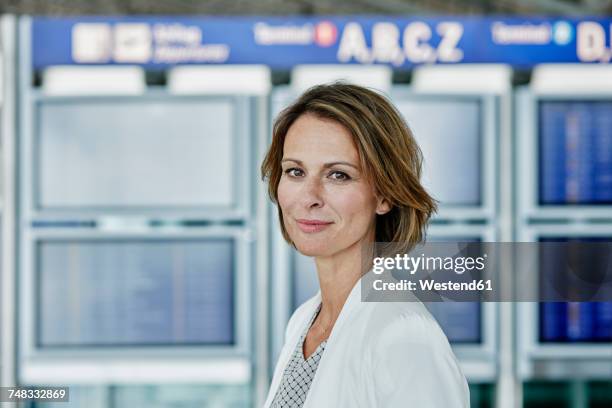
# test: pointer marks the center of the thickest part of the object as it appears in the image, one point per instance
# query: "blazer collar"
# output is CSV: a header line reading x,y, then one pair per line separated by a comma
x,y
352,302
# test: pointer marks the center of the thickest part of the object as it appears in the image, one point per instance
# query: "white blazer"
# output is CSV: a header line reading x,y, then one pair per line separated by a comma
x,y
379,354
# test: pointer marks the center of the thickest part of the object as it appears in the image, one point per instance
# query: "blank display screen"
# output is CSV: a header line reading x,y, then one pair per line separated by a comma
x,y
129,293
575,152
135,153
449,134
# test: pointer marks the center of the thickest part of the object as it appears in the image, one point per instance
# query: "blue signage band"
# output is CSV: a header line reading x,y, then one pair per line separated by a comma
x,y
282,42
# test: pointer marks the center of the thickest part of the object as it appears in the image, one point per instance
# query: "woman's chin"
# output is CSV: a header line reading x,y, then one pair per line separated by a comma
x,y
312,248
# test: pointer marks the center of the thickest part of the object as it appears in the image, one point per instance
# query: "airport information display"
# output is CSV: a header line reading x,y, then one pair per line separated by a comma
x,y
573,322
451,146
135,152
135,292
575,152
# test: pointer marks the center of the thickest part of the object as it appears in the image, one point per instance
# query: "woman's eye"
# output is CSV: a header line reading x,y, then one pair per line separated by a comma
x,y
339,175
294,172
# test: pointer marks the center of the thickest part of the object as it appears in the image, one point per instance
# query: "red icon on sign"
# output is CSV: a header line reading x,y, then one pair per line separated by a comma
x,y
326,34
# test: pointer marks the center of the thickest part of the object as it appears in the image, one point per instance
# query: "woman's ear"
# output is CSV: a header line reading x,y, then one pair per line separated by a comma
x,y
382,206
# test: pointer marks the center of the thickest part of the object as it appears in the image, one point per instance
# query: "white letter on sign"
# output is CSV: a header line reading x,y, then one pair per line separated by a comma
x,y
385,43
451,34
590,42
416,48
353,45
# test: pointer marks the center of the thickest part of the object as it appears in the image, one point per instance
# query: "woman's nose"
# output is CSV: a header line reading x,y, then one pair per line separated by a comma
x,y
312,193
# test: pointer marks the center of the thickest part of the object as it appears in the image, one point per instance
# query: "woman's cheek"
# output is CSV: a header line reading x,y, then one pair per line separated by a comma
x,y
288,194
282,194
352,201
358,207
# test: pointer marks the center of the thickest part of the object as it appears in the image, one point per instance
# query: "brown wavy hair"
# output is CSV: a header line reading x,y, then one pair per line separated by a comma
x,y
389,155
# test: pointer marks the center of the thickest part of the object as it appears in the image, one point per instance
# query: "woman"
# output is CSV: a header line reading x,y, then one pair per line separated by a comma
x,y
344,169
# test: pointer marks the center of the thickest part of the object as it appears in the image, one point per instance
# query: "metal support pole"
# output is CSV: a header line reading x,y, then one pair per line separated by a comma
x,y
8,286
579,391
508,388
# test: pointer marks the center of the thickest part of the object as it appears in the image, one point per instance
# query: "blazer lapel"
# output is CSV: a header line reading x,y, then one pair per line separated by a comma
x,y
350,305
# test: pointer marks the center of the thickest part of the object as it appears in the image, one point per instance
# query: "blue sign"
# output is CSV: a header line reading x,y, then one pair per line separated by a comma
x,y
282,42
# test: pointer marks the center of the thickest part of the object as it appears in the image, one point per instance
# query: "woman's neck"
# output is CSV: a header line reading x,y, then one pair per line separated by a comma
x,y
338,274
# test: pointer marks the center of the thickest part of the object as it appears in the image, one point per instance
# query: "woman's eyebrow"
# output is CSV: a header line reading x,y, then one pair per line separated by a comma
x,y
326,165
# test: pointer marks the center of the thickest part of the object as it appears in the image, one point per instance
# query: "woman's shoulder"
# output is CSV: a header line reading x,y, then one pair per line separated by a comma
x,y
410,359
409,321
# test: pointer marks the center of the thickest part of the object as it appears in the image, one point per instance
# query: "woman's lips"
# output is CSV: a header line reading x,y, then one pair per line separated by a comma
x,y
312,225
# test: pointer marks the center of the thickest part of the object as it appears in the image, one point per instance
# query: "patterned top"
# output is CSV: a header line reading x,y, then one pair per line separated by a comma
x,y
299,373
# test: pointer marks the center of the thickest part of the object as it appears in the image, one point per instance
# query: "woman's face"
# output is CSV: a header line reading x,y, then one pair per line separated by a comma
x,y
328,206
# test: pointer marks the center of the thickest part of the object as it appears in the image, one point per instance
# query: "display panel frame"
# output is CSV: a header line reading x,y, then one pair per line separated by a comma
x,y
244,108
488,150
127,363
527,104
587,360
478,361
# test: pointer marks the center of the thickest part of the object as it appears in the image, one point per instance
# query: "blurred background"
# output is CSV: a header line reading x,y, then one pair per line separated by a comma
x,y
142,263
